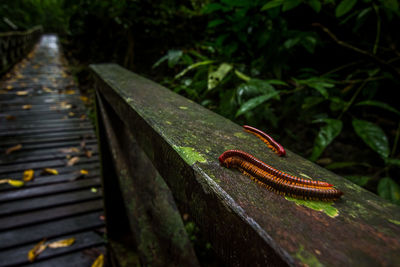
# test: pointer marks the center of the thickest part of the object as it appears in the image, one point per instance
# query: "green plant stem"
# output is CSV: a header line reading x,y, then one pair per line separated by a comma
x,y
396,141
341,68
353,98
378,29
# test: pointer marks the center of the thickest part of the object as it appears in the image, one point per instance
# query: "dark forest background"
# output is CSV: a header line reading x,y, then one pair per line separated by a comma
x,y
319,76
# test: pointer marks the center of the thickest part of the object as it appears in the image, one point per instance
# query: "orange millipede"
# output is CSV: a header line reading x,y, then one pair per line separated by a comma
x,y
271,170
268,140
280,185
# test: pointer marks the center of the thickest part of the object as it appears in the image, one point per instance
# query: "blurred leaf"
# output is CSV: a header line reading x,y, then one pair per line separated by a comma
x,y
392,5
358,179
50,171
277,82
15,183
193,66
215,22
392,161
252,88
326,134
378,104
84,172
36,250
215,77
28,175
254,102
315,4
272,4
344,7
13,148
290,4
99,262
373,136
242,76
62,243
26,106
311,101
389,189
172,57
72,161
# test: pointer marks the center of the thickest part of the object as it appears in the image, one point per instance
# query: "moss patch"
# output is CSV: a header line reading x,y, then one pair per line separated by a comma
x,y
307,258
190,155
240,135
325,207
183,107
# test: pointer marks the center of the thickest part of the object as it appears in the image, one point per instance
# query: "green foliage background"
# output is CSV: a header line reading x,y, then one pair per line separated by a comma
x,y
319,76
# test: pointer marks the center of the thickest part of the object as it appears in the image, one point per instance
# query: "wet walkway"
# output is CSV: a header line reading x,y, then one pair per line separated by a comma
x,y
44,127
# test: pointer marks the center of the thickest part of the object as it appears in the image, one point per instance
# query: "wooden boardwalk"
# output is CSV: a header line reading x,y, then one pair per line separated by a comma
x,y
43,124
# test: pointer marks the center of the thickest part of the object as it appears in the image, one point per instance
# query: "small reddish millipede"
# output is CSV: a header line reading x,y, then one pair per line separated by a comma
x,y
277,181
268,140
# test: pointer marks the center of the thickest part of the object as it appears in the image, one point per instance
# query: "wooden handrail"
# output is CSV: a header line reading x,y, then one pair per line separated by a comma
x,y
157,146
16,45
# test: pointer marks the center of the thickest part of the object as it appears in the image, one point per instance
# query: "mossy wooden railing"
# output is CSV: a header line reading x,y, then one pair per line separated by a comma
x,y
159,157
16,45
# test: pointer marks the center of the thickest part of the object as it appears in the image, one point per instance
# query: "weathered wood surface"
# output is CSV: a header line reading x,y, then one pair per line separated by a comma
x,y
246,224
51,206
16,45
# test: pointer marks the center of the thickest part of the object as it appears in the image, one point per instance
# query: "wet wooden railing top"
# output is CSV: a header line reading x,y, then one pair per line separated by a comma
x,y
245,223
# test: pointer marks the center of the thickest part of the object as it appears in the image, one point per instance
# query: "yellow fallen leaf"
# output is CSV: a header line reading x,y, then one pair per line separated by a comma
x,y
99,262
84,172
84,99
50,171
9,87
22,93
26,106
36,250
71,114
15,183
82,117
93,190
62,243
72,161
69,150
14,148
28,175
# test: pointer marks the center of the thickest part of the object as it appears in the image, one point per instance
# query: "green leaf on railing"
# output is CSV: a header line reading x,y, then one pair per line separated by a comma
x,y
378,104
359,179
255,102
389,189
172,57
373,136
344,7
326,134
215,77
193,66
272,4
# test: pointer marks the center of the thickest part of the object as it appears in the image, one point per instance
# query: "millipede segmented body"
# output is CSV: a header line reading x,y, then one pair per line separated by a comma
x,y
280,185
246,157
268,140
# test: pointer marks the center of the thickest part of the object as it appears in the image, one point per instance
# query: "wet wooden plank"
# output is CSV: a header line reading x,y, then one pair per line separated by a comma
x,y
25,205
79,259
25,193
53,229
18,256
